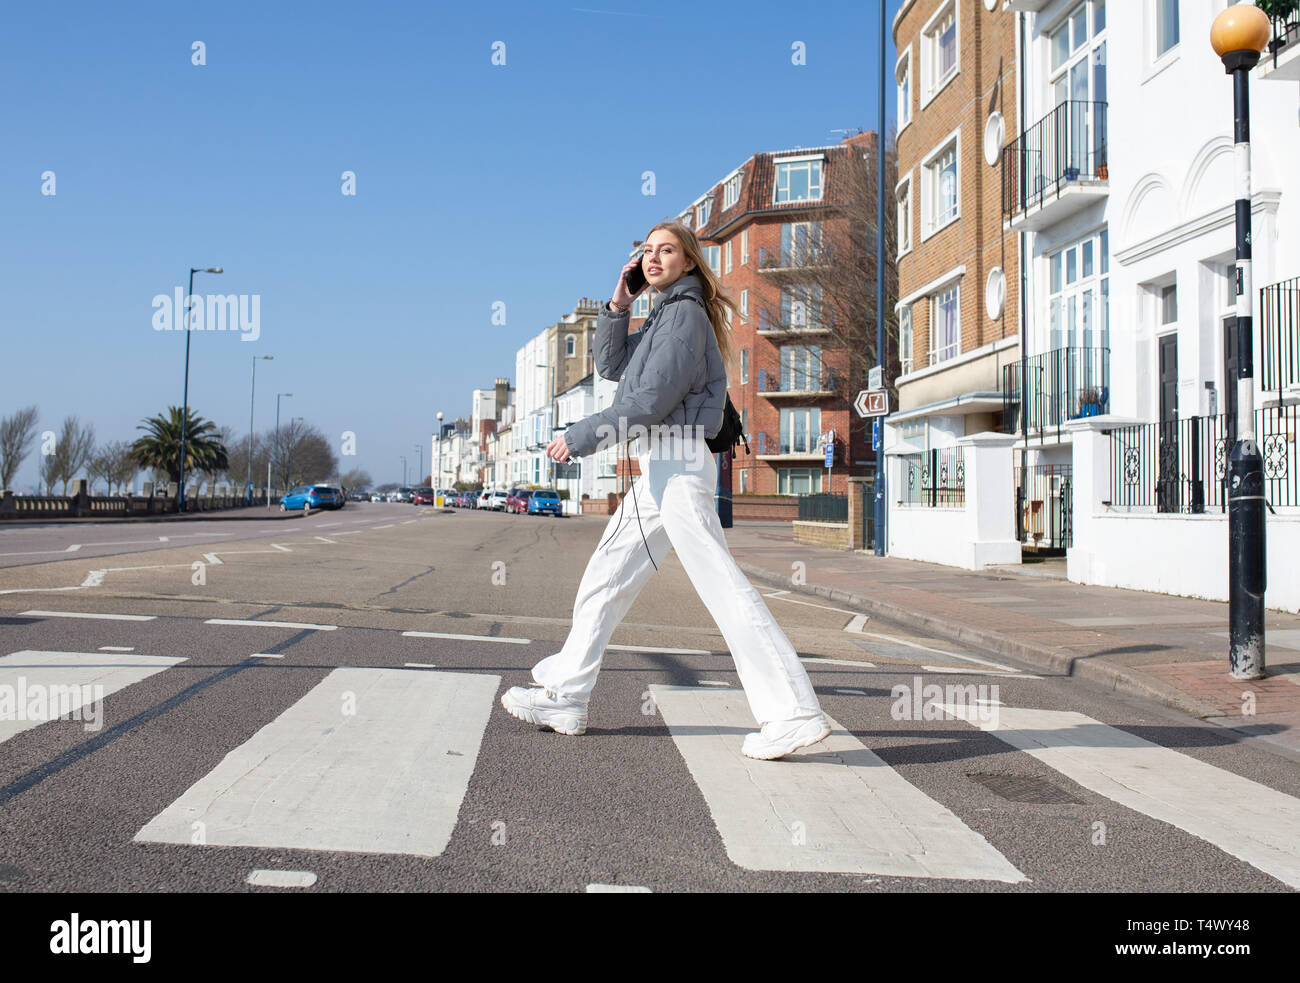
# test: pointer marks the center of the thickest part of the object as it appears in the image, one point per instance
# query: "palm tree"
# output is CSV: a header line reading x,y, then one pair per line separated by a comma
x,y
160,448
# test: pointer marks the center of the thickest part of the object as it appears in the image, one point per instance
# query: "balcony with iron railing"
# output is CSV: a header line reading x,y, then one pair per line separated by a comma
x,y
801,385
1056,167
791,259
1279,323
1063,384
1282,59
797,445
800,324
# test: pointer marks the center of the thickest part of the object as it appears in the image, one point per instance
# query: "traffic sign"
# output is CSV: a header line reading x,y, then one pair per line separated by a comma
x,y
875,378
872,402
875,435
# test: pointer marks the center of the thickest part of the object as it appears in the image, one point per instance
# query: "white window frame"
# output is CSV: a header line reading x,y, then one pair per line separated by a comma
x,y
928,226
954,288
726,257
702,211
713,256
744,366
903,71
783,476
809,159
744,303
744,247
731,191
1157,55
906,340
931,86
903,214
814,432
1096,282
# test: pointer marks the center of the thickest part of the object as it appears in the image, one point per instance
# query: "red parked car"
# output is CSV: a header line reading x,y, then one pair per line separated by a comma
x,y
517,500
423,496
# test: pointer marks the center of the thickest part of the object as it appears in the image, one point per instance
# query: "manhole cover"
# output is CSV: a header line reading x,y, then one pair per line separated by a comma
x,y
1023,788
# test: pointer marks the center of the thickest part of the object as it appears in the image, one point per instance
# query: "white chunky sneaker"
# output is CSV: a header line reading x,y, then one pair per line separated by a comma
x,y
780,737
538,705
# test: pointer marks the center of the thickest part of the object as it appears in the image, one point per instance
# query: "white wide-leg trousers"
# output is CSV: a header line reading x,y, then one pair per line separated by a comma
x,y
673,500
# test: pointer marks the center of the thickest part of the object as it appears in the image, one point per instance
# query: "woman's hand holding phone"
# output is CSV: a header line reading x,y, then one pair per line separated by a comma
x,y
623,297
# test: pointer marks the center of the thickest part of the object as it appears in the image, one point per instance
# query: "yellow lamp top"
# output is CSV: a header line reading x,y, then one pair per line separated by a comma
x,y
1242,27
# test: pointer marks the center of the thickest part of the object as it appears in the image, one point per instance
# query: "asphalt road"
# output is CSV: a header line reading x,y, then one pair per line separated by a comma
x,y
326,745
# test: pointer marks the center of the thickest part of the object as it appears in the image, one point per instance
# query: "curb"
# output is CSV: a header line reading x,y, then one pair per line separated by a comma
x,y
1120,679
161,517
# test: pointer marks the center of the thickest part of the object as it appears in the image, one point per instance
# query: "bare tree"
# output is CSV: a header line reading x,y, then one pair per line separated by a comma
x,y
76,445
17,433
302,454
124,466
356,479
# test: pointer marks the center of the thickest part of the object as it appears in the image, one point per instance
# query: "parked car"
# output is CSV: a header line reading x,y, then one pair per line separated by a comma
x,y
423,496
359,497
518,500
404,495
499,500
545,500
340,497
308,496
484,500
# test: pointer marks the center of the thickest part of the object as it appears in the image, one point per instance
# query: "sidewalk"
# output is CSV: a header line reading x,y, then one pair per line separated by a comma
x,y
1170,649
240,514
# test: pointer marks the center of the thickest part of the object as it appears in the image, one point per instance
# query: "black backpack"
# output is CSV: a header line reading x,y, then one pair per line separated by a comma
x,y
730,433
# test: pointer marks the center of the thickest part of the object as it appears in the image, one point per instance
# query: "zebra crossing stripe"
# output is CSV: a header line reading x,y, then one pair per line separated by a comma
x,y
66,682
1250,821
369,761
836,807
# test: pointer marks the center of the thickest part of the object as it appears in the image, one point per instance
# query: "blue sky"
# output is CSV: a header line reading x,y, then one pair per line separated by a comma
x,y
475,183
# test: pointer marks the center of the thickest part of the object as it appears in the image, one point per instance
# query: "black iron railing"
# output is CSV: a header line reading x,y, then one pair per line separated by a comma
x,y
1068,144
935,478
824,507
1044,504
1063,384
1182,465
1279,309
1285,18
797,382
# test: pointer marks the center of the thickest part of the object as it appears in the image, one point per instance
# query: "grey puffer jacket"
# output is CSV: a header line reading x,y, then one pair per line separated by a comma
x,y
671,375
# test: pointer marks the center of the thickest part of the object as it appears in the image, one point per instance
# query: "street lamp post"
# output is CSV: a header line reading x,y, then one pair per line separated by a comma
x,y
185,399
1238,35
252,388
292,421
440,484
403,457
879,489
420,448
277,435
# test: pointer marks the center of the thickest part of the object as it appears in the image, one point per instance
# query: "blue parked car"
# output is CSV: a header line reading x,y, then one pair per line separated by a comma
x,y
315,496
545,500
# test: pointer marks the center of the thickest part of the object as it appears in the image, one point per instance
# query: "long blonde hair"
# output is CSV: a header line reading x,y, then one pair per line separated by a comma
x,y
715,301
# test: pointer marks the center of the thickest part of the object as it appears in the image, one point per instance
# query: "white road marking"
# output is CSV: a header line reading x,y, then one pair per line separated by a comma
x,y
266,655
963,671
852,692
420,665
407,522
281,878
386,526
467,638
780,595
213,559
117,648
79,672
369,761
269,624
164,539
837,662
81,614
712,682
856,624
324,540
73,549
658,648
282,549
617,889
1248,820
834,807
349,532
927,648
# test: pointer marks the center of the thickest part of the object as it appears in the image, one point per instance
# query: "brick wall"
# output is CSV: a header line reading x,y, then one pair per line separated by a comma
x,y
832,534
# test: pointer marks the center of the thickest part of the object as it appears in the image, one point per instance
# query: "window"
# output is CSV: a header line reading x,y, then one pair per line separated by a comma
x,y
904,203
905,338
801,367
744,303
940,192
727,254
731,191
744,365
1078,76
945,331
939,49
801,243
1078,314
800,430
641,306
744,480
1169,304
1166,25
712,256
903,76
800,307
702,212
744,247
799,481
570,346
798,180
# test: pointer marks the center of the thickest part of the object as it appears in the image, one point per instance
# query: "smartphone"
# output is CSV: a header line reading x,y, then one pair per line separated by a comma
x,y
635,277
